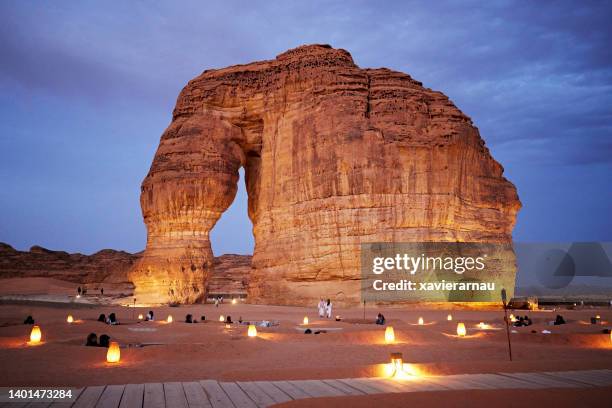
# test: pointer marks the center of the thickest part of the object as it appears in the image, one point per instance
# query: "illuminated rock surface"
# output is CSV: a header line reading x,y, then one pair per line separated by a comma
x,y
334,155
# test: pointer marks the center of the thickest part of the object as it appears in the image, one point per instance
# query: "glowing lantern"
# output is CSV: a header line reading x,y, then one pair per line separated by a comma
x,y
305,319
389,335
221,318
461,329
598,317
234,301
228,326
449,317
421,322
611,337
70,319
169,319
113,355
140,317
512,318
252,332
35,335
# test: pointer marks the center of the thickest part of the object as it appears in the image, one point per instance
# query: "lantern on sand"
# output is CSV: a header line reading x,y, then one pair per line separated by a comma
x,y
252,331
461,329
113,354
421,321
140,317
70,319
169,319
35,335
389,335
234,301
449,317
305,320
221,318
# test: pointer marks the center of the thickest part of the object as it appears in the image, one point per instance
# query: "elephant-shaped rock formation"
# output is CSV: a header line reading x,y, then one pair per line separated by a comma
x,y
334,155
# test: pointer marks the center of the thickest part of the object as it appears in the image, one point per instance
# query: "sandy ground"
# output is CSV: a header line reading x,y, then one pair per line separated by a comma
x,y
210,350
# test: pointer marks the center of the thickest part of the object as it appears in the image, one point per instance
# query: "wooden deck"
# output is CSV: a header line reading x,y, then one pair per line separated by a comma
x,y
254,394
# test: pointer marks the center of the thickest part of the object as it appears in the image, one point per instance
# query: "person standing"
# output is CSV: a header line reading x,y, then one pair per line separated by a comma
x,y
328,308
321,308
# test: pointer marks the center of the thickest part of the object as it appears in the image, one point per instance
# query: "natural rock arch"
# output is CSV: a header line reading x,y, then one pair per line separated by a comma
x,y
334,155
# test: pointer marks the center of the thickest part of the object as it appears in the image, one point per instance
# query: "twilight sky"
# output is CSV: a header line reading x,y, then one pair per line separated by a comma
x,y
87,88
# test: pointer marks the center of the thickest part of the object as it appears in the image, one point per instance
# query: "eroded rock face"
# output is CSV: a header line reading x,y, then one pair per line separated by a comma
x,y
334,155
230,276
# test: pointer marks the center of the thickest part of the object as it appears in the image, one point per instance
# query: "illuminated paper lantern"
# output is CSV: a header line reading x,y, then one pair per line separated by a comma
x,y
252,332
169,319
397,365
221,318
421,321
35,335
228,326
449,317
512,318
113,354
140,317
70,319
234,301
461,329
305,320
389,335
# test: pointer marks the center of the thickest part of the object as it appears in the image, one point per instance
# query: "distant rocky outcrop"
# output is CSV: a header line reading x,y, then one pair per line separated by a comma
x,y
230,277
105,266
334,156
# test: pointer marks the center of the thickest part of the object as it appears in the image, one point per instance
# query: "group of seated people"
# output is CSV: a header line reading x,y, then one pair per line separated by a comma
x,y
93,341
522,321
190,319
559,320
111,319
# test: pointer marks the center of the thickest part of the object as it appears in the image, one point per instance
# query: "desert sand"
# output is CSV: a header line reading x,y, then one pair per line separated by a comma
x,y
349,348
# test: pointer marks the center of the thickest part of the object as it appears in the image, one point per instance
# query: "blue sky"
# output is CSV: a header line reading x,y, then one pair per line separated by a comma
x,y
87,88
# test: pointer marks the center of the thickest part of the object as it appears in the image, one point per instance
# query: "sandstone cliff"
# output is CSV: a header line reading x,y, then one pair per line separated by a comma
x,y
334,156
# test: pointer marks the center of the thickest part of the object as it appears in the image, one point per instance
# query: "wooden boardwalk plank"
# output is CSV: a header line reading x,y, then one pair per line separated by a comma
x,y
133,396
542,380
587,378
37,404
475,381
601,376
365,388
217,397
67,404
291,390
494,381
174,395
154,396
317,388
419,384
382,386
347,389
239,398
196,397
89,397
111,396
256,394
273,391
